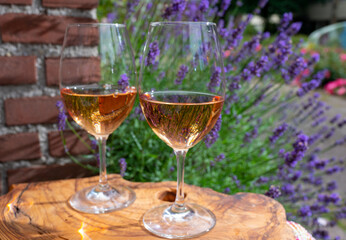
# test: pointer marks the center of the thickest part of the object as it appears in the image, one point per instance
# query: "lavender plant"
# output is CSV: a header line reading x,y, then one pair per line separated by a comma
x,y
273,138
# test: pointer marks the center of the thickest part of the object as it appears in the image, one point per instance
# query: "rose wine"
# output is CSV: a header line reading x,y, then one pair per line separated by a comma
x,y
181,119
98,110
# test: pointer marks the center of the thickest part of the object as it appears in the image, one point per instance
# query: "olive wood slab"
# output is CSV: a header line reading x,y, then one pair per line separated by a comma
x,y
40,211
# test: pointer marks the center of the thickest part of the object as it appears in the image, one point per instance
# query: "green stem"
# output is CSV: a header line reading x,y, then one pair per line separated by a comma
x,y
79,137
87,166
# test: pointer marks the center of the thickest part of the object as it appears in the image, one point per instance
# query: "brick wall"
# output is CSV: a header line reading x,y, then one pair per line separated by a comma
x,y
31,35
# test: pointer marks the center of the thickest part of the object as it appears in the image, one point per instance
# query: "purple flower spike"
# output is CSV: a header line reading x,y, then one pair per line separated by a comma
x,y
262,3
176,8
215,79
262,180
111,17
183,70
332,185
305,211
204,5
123,165
286,19
220,157
273,192
300,147
239,3
123,82
62,117
294,28
224,6
307,87
213,135
278,132
153,52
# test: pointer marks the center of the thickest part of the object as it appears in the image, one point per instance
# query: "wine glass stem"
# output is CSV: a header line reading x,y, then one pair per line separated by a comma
x,y
103,182
178,205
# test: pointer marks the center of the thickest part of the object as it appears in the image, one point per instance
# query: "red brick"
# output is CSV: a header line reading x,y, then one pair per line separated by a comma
x,y
86,65
33,110
86,4
21,146
46,173
21,2
25,28
74,145
17,70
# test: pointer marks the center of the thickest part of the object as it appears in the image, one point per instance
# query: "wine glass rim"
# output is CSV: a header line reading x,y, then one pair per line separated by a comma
x,y
96,24
181,23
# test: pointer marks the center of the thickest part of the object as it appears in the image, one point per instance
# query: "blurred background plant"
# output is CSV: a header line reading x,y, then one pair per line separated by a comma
x,y
333,59
275,132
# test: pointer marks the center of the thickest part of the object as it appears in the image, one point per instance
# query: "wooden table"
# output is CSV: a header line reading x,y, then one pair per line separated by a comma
x,y
40,211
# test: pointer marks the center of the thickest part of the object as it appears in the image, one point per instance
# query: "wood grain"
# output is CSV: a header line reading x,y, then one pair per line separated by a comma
x,y
40,211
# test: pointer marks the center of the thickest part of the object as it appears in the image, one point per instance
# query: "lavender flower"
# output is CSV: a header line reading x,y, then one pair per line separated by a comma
x,y
239,3
285,20
340,141
153,52
305,211
293,29
149,6
224,6
288,189
249,136
176,8
300,146
334,169
111,17
273,192
213,135
131,5
315,58
123,165
123,82
235,35
262,3
327,199
262,180
332,185
204,5
220,157
183,70
307,87
278,132
215,79
62,117
335,118
297,67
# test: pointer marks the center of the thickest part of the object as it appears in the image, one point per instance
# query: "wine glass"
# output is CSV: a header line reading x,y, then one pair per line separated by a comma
x,y
181,91
96,78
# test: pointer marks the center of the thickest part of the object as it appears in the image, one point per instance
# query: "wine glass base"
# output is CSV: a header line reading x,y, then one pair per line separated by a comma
x,y
195,220
92,200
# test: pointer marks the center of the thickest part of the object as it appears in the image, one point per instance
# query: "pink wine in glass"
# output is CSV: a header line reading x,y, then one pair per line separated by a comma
x,y
181,118
98,110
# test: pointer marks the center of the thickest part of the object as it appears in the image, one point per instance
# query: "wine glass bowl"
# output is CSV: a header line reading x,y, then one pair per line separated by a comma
x,y
181,92
96,79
